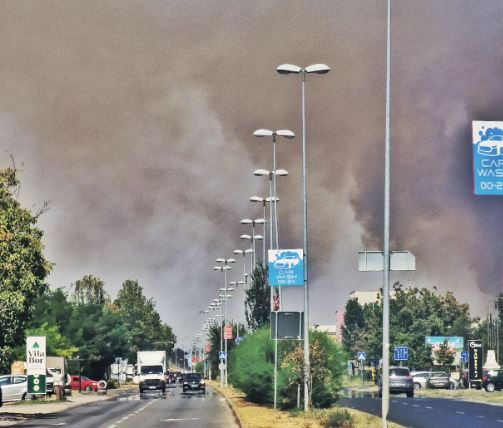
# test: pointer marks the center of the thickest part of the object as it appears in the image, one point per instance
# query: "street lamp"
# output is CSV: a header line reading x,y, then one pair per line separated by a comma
x,y
285,133
224,269
253,223
252,240
263,201
295,69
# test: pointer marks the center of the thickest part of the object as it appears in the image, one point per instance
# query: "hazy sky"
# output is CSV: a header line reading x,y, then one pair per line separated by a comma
x,y
135,120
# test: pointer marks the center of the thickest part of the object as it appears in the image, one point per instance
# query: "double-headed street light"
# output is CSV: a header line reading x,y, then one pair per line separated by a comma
x,y
253,223
224,269
263,201
295,69
285,133
252,240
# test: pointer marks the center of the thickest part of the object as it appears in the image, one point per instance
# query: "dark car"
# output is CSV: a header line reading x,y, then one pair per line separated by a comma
x,y
193,381
400,382
438,380
492,380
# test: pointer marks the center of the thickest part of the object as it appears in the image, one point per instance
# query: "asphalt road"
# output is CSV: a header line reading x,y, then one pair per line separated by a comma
x,y
424,412
173,409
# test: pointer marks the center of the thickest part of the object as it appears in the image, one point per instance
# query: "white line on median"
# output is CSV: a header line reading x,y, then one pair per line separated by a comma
x,y
480,417
429,407
179,420
500,421
461,413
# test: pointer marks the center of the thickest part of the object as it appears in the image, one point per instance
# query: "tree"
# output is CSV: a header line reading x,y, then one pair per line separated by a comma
x,y
354,325
23,267
142,320
258,299
444,356
89,289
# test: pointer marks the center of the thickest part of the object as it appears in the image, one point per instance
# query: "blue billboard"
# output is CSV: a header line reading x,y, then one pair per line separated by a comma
x,y
487,145
285,267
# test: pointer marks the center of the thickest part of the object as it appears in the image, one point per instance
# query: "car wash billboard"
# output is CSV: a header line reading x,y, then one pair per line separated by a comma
x,y
285,267
487,157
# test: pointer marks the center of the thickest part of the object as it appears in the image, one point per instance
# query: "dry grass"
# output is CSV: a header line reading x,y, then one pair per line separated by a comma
x,y
255,416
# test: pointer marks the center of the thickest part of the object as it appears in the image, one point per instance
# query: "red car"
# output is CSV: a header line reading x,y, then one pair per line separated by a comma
x,y
87,384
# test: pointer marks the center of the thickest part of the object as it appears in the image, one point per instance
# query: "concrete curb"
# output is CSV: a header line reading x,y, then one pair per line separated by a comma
x,y
233,408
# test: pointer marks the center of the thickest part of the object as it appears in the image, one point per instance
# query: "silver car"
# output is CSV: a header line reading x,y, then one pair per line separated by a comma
x,y
14,387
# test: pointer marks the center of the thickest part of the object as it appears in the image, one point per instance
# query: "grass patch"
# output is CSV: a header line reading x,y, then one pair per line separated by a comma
x,y
256,416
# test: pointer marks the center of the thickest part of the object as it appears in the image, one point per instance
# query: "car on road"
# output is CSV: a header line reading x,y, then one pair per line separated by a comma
x,y
492,380
193,381
87,384
14,388
400,382
438,380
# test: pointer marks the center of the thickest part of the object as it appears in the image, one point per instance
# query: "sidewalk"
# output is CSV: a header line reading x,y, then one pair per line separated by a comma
x,y
12,413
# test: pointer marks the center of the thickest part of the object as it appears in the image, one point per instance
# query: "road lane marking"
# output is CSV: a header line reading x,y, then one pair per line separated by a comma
x,y
500,421
429,407
461,413
179,420
416,405
480,417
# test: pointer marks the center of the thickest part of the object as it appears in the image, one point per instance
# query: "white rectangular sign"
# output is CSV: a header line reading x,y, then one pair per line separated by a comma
x,y
35,355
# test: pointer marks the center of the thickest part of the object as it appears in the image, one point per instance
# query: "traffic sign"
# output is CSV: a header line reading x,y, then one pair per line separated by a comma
x,y
464,356
285,267
222,355
238,340
221,366
401,353
228,332
361,356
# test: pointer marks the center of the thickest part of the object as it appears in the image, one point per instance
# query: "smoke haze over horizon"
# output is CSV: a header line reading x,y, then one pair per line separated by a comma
x,y
135,120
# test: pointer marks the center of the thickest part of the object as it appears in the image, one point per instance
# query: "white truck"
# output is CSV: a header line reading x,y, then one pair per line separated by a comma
x,y
151,366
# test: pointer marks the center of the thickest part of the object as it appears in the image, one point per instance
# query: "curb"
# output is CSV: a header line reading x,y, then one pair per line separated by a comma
x,y
232,407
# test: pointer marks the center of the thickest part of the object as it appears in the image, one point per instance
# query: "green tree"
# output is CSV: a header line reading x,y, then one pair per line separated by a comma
x,y
354,327
90,289
444,356
143,322
23,267
258,299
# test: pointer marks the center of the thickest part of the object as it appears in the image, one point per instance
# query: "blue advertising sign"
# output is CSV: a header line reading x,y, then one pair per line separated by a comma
x,y
286,267
401,353
487,157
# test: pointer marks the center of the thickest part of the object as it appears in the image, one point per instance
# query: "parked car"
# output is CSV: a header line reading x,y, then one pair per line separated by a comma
x,y
193,381
492,380
438,380
400,381
87,384
14,387
419,379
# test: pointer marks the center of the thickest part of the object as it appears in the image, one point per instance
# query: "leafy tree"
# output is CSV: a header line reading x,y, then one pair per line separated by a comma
x,y
23,267
444,355
414,314
89,290
143,322
258,299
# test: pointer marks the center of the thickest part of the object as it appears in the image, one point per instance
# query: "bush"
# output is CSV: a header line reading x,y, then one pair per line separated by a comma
x,y
112,384
251,368
339,419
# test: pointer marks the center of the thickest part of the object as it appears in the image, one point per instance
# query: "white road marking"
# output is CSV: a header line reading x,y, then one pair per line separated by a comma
x,y
500,421
480,417
111,426
416,405
405,404
461,413
429,407
179,420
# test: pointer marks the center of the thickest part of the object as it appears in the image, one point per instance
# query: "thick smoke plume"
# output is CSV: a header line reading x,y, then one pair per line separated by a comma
x,y
135,119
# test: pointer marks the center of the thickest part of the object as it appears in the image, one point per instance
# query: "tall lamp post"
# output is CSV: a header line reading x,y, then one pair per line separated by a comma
x,y
285,133
252,240
263,201
295,69
225,268
253,223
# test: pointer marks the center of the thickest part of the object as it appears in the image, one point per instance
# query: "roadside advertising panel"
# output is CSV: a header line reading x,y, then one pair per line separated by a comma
x,y
228,332
36,364
455,345
487,147
475,356
285,267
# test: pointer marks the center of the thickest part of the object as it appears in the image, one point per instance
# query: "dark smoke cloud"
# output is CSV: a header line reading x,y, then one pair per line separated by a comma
x,y
135,118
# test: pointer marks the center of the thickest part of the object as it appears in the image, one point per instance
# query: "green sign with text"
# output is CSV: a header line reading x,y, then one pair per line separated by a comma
x,y
36,384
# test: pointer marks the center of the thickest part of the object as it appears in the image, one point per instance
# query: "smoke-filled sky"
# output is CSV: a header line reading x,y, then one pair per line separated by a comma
x,y
135,120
